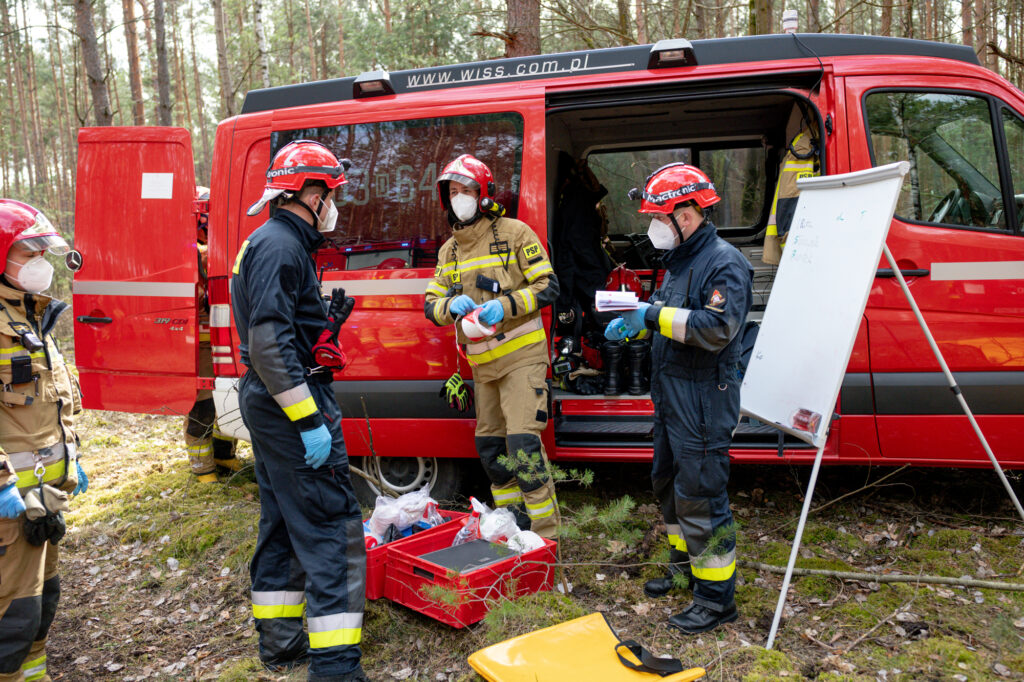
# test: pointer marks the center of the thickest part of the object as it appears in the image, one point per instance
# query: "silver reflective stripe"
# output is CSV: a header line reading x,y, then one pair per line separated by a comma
x,y
335,621
490,344
282,598
222,360
714,560
379,287
220,315
293,396
26,461
115,288
993,269
221,349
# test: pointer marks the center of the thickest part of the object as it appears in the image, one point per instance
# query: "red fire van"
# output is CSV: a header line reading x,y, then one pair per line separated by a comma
x,y
731,106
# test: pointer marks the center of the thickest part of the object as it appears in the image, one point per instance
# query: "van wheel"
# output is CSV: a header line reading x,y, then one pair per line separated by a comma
x,y
406,474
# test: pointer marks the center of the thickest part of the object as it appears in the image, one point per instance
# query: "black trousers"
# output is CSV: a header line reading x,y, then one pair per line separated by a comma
x,y
310,550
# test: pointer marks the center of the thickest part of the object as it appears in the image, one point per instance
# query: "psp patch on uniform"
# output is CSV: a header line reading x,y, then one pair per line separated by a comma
x,y
531,251
717,302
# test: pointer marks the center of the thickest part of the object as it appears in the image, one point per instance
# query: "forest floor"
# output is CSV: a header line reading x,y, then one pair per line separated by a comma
x,y
156,586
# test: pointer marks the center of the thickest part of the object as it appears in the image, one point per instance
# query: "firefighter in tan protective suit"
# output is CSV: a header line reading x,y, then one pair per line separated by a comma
x,y
498,268
38,445
209,451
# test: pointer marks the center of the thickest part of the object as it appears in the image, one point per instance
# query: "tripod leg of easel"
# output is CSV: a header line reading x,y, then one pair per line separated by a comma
x,y
949,378
796,546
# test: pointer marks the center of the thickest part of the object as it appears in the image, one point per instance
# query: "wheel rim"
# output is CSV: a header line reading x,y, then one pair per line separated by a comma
x,y
402,474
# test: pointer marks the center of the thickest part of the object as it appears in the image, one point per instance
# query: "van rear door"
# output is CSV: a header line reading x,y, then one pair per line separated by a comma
x,y
135,292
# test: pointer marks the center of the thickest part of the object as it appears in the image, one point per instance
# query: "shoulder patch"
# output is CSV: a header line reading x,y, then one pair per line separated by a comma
x,y
531,250
717,301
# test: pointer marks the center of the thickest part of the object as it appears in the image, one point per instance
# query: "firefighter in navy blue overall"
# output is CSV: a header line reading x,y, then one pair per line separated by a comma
x,y
497,266
310,555
696,318
39,401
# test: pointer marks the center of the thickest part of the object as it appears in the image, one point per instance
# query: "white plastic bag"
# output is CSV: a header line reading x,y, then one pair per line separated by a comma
x,y
400,513
525,541
498,525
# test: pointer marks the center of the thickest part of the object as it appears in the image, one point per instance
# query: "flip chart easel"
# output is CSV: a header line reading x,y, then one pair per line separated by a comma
x,y
810,324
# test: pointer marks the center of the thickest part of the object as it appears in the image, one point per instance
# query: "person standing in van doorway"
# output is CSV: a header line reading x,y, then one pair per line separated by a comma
x,y
310,547
497,267
697,316
38,444
209,451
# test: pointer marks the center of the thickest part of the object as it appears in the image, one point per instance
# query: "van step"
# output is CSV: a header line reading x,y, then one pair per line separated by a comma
x,y
634,431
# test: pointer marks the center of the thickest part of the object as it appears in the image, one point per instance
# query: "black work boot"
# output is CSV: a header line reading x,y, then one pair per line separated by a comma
x,y
678,565
636,353
612,352
696,618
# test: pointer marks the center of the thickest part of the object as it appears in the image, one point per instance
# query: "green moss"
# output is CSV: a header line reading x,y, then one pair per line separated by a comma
x,y
822,587
531,612
768,666
946,539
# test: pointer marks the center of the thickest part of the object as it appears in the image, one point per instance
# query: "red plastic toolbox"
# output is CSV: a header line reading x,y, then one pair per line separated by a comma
x,y
475,591
377,557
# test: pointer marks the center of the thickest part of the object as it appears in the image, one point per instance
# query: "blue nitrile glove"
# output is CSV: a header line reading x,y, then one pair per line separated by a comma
x,y
616,330
318,445
634,319
11,504
83,481
492,313
462,305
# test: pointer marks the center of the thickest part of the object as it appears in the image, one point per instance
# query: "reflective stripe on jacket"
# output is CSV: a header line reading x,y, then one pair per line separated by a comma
x,y
502,260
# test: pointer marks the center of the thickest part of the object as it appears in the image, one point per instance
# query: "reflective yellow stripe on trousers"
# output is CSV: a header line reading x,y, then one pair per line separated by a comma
x,y
337,629
541,510
506,496
714,566
278,604
34,670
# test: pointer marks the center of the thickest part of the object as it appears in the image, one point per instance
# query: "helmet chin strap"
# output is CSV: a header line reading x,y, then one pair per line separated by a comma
x,y
675,224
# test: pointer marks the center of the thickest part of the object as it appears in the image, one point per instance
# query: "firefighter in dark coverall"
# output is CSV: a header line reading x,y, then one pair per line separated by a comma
x,y
696,317
498,264
39,465
310,548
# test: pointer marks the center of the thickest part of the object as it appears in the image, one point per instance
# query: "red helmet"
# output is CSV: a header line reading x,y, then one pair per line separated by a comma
x,y
297,163
20,222
468,170
674,184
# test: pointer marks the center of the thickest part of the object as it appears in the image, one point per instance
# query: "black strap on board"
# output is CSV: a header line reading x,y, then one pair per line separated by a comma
x,y
649,663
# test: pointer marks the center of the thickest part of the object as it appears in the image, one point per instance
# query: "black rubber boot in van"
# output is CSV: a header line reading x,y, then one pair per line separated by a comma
x,y
612,359
636,354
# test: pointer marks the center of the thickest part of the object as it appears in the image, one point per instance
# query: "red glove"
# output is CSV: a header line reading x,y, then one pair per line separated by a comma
x,y
328,353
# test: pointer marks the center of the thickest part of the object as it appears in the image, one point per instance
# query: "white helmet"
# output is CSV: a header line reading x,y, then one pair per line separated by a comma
x,y
473,328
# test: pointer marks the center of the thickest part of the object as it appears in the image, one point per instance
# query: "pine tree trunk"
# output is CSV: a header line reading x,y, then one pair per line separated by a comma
x,y
310,41
38,148
623,11
967,21
886,28
289,13
523,27
641,23
131,37
9,36
261,42
163,77
151,57
341,39
814,16
204,165
91,61
227,91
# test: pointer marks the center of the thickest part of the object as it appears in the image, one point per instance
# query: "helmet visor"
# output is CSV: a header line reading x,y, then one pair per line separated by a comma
x,y
43,236
269,194
459,177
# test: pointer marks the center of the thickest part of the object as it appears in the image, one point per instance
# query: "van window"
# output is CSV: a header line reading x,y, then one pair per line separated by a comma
x,y
1013,129
950,144
737,173
390,200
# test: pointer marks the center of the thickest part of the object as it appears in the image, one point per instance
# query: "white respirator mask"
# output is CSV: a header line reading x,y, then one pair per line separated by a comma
x,y
35,275
663,236
464,206
328,222
473,328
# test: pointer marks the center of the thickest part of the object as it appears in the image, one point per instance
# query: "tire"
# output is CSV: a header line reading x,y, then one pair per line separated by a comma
x,y
405,474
